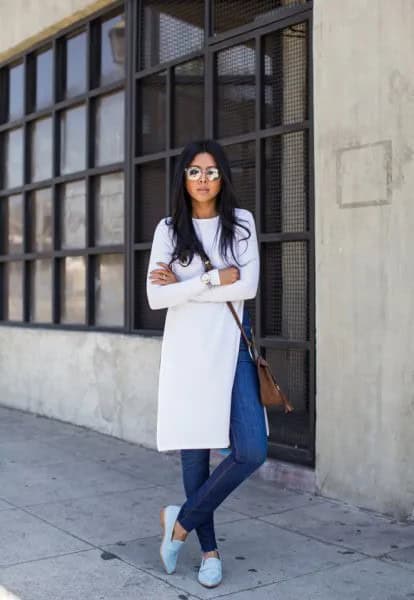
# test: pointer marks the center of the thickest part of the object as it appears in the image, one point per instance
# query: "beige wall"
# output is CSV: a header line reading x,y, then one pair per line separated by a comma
x,y
364,170
107,382
25,22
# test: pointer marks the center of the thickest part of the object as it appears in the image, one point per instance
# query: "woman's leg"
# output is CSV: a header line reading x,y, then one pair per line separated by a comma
x,y
248,447
196,470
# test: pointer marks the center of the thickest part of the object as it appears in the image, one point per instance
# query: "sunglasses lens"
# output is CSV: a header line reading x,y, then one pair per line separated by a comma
x,y
213,173
193,173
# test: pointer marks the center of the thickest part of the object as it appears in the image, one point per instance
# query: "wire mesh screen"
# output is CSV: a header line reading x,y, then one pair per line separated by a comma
x,y
229,14
188,102
144,316
285,76
243,168
149,199
236,90
151,111
170,29
285,188
284,277
291,369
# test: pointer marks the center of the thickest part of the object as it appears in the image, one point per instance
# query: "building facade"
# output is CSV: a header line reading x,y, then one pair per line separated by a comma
x,y
313,102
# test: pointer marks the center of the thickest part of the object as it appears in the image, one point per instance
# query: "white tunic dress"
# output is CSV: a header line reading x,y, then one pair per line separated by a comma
x,y
201,338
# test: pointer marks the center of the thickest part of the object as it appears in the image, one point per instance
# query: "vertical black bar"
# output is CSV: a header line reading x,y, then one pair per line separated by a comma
x,y
2,291
311,245
58,79
4,109
259,168
27,143
90,161
4,94
94,54
131,54
169,93
209,82
210,7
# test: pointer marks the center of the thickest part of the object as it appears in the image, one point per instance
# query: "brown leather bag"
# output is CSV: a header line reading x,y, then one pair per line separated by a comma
x,y
270,392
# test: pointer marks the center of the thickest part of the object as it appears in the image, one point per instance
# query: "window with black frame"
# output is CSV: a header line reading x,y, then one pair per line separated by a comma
x,y
62,131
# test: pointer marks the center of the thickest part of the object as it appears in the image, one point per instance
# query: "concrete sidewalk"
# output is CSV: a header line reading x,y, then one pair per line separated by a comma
x,y
79,520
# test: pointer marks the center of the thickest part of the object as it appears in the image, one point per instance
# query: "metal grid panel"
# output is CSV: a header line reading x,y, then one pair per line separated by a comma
x,y
144,316
291,369
285,183
285,76
229,14
236,90
170,29
149,199
243,167
284,280
151,113
188,102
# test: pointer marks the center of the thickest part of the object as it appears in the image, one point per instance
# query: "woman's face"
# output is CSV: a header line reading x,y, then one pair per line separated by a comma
x,y
202,189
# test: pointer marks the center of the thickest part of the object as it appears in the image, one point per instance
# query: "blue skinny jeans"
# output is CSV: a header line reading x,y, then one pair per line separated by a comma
x,y
248,442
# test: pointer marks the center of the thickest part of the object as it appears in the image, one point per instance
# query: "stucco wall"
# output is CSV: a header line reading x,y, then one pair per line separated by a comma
x,y
364,170
107,382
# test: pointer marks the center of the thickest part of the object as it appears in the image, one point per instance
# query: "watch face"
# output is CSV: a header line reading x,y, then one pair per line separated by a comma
x,y
205,277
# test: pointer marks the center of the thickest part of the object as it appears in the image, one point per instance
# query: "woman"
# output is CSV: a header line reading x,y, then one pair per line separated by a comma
x,y
208,395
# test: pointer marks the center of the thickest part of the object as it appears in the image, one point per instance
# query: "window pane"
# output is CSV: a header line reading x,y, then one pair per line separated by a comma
x,y
285,187
76,65
73,215
14,158
113,50
188,121
150,199
15,291
236,90
109,213
42,220
110,129
41,151
44,65
16,92
41,286
109,289
152,114
15,224
73,289
72,131
170,29
285,76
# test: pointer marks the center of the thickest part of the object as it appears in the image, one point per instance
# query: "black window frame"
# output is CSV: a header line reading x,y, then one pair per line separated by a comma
x,y
91,26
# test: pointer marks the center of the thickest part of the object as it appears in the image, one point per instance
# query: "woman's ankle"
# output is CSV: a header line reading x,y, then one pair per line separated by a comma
x,y
211,554
179,533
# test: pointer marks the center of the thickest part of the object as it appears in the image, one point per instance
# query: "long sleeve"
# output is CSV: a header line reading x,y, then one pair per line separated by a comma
x,y
163,296
245,287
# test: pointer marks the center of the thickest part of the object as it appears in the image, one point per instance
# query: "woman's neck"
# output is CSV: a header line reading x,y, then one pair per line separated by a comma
x,y
206,212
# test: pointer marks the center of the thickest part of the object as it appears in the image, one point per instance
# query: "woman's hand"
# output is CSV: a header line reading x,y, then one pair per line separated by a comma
x,y
163,276
229,275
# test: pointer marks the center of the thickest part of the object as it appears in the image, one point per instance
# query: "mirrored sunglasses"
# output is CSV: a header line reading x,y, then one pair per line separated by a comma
x,y
194,173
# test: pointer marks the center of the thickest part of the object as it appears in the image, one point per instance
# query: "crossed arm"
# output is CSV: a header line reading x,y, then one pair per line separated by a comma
x,y
193,289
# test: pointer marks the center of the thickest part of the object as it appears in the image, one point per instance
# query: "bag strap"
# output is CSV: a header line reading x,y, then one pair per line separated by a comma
x,y
250,343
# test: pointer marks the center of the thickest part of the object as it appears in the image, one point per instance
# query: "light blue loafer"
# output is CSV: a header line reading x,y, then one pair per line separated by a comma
x,y
210,573
169,548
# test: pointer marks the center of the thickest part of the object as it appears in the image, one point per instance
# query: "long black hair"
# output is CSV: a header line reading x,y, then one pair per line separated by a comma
x,y
184,235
